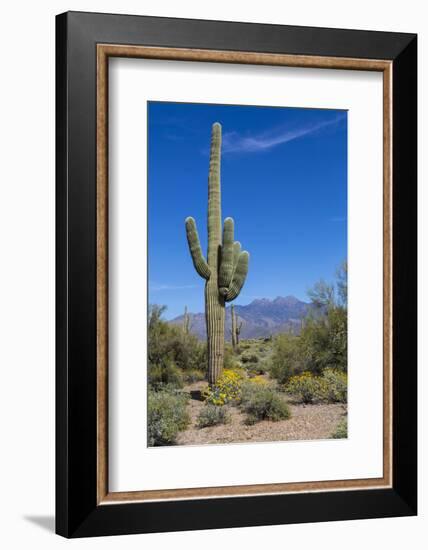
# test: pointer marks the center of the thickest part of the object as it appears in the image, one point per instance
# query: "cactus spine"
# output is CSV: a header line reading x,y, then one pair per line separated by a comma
x,y
226,266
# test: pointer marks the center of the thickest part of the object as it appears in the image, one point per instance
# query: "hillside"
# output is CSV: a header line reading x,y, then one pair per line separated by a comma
x,y
260,318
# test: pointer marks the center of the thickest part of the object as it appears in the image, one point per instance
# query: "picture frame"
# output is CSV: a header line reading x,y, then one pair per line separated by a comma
x,y
84,44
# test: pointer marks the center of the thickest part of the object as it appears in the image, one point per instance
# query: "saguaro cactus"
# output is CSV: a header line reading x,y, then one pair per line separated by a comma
x,y
226,266
186,321
236,328
233,329
238,332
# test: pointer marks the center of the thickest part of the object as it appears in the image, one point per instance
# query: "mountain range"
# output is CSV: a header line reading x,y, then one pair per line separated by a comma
x,y
260,318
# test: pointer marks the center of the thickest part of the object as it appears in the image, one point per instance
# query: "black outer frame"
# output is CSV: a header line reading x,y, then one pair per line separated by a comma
x,y
77,513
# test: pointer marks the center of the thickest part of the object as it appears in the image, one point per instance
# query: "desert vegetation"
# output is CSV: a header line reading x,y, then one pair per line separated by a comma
x,y
289,386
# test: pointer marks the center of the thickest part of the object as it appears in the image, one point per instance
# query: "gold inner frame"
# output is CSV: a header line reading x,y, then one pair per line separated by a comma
x,y
104,51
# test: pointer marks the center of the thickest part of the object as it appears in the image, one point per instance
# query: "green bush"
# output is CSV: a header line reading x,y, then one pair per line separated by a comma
x,y
305,387
243,345
257,368
262,402
166,416
212,415
323,340
194,375
330,387
165,374
171,353
325,333
249,358
341,431
287,358
230,359
334,386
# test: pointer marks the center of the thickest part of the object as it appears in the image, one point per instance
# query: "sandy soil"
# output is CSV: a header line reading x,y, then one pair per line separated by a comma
x,y
307,422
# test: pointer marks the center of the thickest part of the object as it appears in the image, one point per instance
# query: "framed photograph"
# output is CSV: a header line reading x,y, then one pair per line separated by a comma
x,y
236,274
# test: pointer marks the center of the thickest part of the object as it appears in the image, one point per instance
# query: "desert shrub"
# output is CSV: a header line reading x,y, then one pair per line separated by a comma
x,y
324,335
323,340
231,361
305,387
330,387
257,368
341,431
249,358
166,340
286,358
263,366
166,416
262,402
171,352
193,375
243,345
212,415
334,386
227,389
165,373
322,344
189,352
259,380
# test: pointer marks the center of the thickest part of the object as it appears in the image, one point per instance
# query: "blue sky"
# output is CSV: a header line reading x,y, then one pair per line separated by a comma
x,y
284,181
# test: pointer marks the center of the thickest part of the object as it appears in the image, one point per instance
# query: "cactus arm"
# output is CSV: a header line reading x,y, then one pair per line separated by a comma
x,y
226,264
214,199
199,261
236,252
238,277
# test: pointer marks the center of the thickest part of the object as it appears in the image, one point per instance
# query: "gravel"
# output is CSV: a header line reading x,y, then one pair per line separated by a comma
x,y
307,422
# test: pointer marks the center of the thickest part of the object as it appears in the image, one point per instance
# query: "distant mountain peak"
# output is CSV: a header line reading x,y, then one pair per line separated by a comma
x,y
260,301
262,317
287,300
279,300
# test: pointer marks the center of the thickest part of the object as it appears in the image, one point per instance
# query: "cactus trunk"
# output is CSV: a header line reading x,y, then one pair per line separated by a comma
x,y
214,318
232,313
186,321
238,332
214,302
236,328
226,266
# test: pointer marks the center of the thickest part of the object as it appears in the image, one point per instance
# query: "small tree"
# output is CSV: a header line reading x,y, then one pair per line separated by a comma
x,y
322,342
324,336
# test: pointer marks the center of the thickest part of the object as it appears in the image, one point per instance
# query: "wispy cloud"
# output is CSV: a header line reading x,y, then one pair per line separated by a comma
x,y
157,287
233,142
